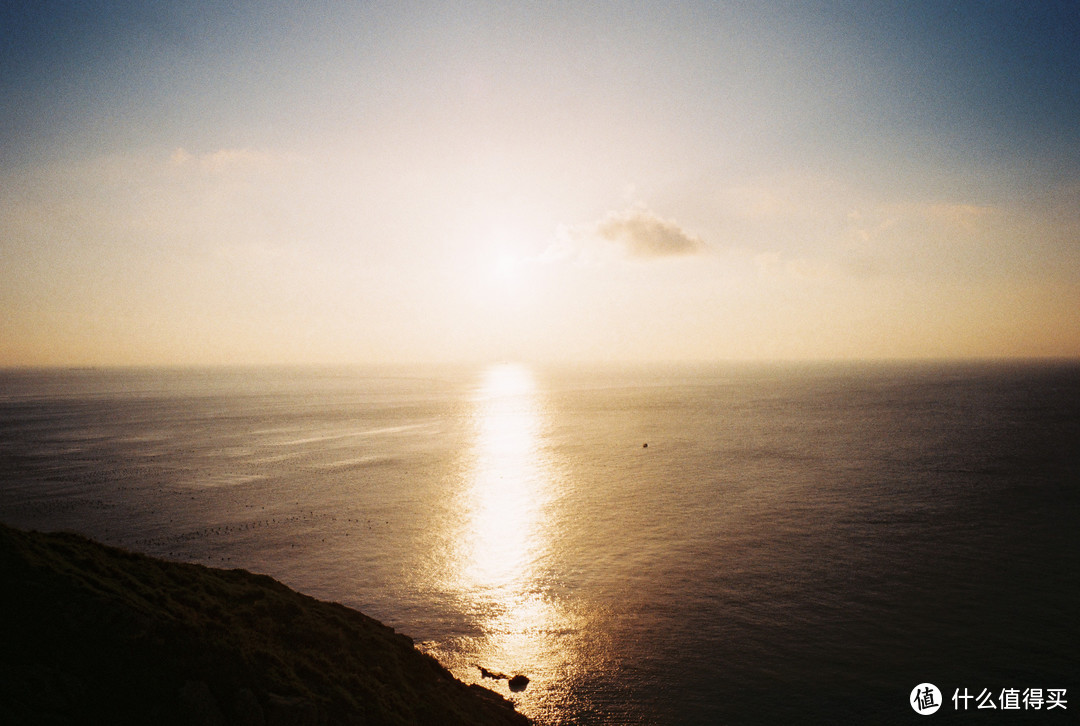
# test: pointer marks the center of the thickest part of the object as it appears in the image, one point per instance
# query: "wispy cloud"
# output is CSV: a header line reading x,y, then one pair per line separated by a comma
x,y
965,217
225,160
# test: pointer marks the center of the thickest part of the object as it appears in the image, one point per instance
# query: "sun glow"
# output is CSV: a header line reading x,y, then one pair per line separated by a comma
x,y
506,269
508,242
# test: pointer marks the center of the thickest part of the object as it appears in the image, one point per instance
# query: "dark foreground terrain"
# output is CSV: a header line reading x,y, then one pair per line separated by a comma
x,y
95,634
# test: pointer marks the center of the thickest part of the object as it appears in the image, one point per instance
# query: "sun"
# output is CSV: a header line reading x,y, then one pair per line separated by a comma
x,y
506,269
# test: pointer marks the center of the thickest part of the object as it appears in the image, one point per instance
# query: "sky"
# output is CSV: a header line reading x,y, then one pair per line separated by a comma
x,y
187,183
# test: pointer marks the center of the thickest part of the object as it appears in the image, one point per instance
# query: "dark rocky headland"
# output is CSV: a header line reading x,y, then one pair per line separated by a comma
x,y
96,634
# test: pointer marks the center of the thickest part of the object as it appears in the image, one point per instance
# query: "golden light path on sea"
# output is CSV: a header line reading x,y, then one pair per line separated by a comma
x,y
508,481
508,487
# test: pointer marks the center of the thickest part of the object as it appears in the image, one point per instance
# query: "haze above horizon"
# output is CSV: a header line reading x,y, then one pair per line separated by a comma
x,y
295,183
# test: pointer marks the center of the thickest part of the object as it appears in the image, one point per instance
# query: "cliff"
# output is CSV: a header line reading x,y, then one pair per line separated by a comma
x,y
95,634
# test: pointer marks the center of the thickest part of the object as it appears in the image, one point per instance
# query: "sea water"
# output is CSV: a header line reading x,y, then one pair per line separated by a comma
x,y
683,545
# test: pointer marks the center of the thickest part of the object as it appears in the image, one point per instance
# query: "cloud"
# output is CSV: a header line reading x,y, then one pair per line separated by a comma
x,y
225,160
966,217
645,235
639,232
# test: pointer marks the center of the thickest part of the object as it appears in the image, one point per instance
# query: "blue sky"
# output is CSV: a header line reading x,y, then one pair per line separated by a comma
x,y
346,182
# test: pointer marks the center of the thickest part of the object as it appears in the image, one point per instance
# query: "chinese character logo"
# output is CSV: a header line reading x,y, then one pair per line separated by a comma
x,y
925,699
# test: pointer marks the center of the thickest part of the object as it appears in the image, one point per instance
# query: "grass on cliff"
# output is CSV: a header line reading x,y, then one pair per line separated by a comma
x,y
94,633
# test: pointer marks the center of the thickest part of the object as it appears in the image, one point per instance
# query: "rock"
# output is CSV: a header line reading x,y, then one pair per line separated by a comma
x,y
519,683
485,673
94,634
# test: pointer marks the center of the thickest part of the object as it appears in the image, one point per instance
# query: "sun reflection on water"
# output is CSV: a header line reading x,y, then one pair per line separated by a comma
x,y
507,483
508,487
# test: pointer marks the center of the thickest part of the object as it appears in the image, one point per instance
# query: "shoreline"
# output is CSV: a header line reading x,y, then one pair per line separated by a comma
x,y
93,632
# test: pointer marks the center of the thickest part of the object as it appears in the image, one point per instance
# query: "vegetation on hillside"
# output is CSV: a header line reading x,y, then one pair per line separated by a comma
x,y
95,634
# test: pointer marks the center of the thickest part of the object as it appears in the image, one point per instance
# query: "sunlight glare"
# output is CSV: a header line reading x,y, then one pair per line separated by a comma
x,y
505,533
507,380
506,269
507,477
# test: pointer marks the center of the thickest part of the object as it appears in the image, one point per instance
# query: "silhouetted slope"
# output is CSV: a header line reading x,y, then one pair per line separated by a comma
x,y
95,634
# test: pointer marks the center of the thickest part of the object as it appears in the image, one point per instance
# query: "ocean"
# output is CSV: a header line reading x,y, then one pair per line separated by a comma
x,y
732,543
